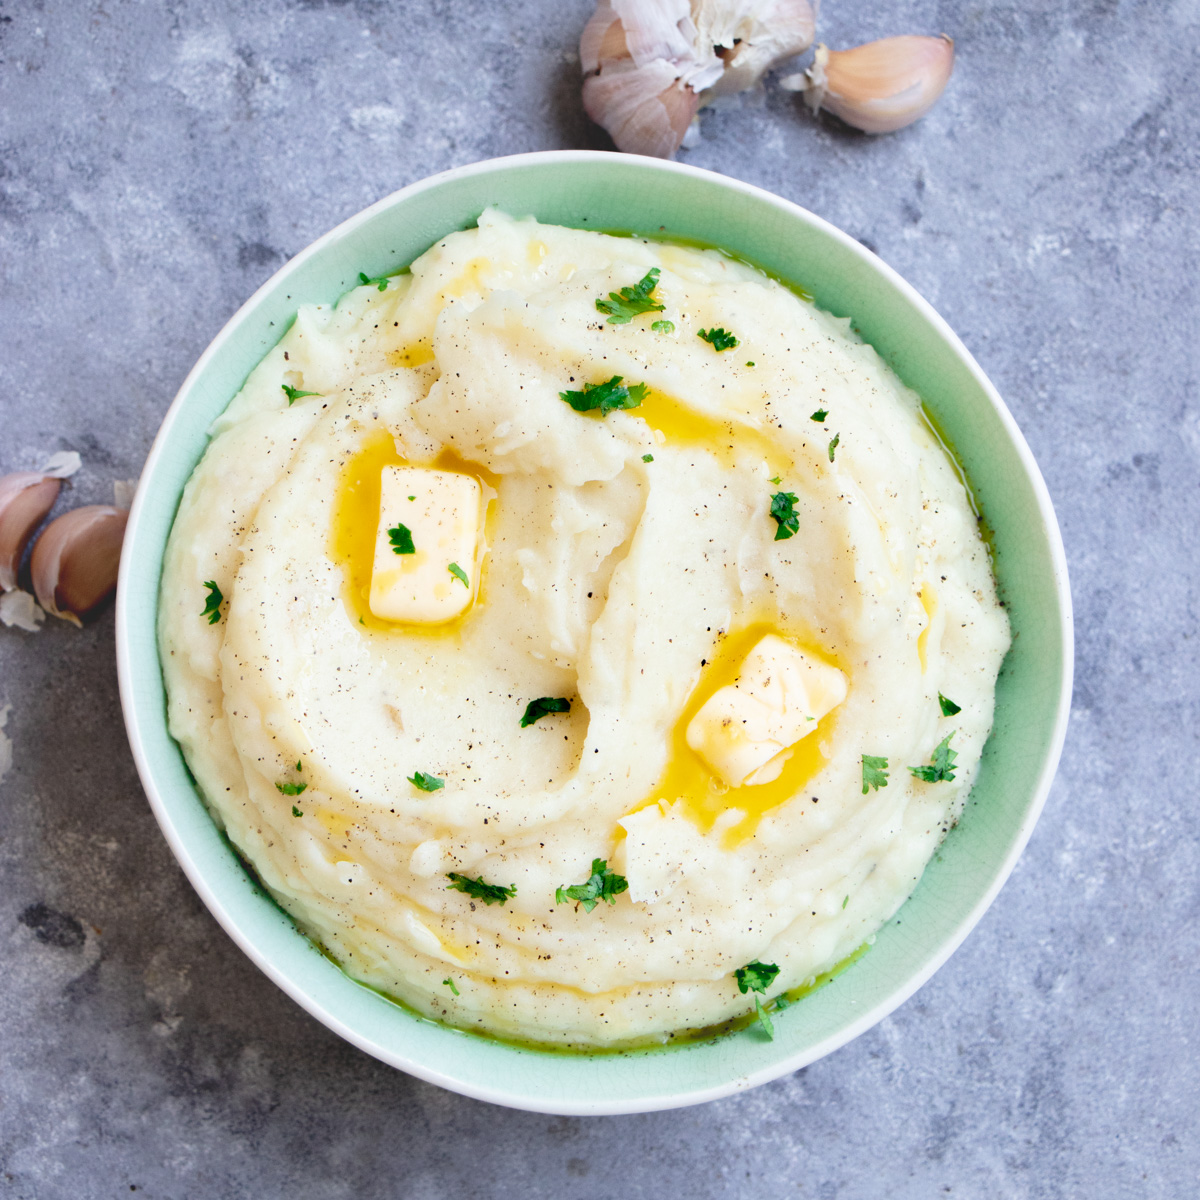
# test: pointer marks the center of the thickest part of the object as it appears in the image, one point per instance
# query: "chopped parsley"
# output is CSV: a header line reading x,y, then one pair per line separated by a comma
x,y
401,540
489,893
663,326
212,603
603,884
783,513
774,480
427,783
749,364
380,281
755,977
874,772
294,394
837,437
535,710
845,901
631,302
296,812
606,396
460,575
763,1019
291,789
819,415
448,982
949,708
942,767
719,339
647,458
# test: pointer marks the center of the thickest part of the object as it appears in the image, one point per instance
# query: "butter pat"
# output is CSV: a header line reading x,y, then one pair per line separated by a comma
x,y
440,511
744,731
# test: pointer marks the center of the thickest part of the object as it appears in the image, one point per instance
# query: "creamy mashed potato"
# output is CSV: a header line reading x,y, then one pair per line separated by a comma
x,y
633,564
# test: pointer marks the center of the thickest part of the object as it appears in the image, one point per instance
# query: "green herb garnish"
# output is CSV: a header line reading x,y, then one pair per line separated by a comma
x,y
212,603
631,302
606,396
536,709
845,901
489,893
763,1019
874,772
294,394
942,767
837,437
603,884
380,281
427,783
755,976
949,708
647,458
401,540
460,575
719,339
448,982
783,513
296,812
291,789
819,415
749,364
663,326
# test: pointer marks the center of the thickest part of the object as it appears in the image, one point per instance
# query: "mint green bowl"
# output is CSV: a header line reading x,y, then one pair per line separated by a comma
x,y
611,191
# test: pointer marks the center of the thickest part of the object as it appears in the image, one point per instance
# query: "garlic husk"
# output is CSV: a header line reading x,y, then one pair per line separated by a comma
x,y
74,561
650,64
19,610
881,86
25,499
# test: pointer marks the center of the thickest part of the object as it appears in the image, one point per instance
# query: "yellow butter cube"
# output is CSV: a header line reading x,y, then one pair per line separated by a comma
x,y
429,524
744,731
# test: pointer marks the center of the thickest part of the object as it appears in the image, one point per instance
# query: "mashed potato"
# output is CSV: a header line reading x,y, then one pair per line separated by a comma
x,y
765,530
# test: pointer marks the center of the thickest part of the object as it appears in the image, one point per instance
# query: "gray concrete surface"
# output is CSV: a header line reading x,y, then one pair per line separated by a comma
x,y
158,160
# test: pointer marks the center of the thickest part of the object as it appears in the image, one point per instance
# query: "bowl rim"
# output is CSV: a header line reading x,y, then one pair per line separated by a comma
x,y
216,904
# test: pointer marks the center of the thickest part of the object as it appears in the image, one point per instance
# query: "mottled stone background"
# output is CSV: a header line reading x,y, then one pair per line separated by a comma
x,y
158,160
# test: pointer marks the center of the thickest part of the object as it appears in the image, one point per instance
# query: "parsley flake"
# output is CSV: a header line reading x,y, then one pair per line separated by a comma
x,y
663,326
296,812
427,783
763,1019
606,397
819,415
489,893
949,708
380,281
783,513
774,479
291,789
401,540
460,575
874,772
837,437
755,977
212,603
647,458
942,767
536,709
448,982
845,901
719,339
631,302
749,364
294,394
602,884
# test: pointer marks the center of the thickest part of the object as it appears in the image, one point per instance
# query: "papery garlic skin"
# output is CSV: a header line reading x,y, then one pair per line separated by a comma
x,y
25,499
74,561
19,610
881,86
650,64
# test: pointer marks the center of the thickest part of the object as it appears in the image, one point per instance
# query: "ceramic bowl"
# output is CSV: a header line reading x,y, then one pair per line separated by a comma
x,y
617,192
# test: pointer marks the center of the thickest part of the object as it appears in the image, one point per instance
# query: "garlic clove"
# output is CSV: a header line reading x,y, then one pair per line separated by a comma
x,y
74,561
753,36
603,39
646,110
25,499
881,86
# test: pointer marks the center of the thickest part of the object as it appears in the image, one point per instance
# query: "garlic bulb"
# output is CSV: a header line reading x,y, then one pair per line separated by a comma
x,y
25,499
74,561
879,87
650,64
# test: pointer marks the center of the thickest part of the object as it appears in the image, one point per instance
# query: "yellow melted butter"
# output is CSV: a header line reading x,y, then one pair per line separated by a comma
x,y
416,355
356,523
687,777
928,598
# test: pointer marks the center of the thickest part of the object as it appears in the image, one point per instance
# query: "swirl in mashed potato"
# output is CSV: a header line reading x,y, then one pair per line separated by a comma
x,y
627,563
